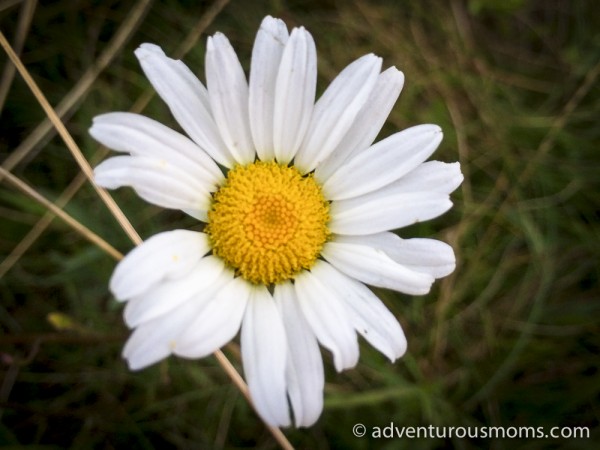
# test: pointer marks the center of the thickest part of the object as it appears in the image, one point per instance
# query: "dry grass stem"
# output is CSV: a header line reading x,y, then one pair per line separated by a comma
x,y
74,96
40,226
70,142
76,225
8,75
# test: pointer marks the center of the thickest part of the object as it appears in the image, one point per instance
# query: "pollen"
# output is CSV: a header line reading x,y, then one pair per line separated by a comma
x,y
268,222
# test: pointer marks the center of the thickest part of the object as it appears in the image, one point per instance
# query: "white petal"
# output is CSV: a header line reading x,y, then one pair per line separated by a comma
x,y
149,343
169,294
420,195
336,110
304,369
367,124
217,323
228,94
431,176
374,267
187,99
264,350
382,211
368,314
383,163
266,57
430,256
155,180
165,255
141,136
294,94
157,338
327,317
199,214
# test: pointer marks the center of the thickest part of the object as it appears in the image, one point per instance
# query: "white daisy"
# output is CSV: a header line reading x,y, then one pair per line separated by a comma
x,y
297,203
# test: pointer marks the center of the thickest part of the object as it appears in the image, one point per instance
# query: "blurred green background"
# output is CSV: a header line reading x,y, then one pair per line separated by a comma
x,y
512,338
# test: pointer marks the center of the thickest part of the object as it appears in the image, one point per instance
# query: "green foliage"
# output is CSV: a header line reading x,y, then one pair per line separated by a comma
x,y
510,339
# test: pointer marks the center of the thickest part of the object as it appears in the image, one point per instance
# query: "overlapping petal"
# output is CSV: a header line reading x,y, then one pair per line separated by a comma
x,y
418,196
167,255
339,339
171,293
141,136
367,124
217,323
374,267
187,99
368,315
294,94
264,355
154,340
304,366
266,57
384,163
335,111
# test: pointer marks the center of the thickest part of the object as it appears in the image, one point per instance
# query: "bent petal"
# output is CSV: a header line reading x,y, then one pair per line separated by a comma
x,y
336,110
368,314
155,180
167,255
171,293
266,57
383,163
340,338
228,95
374,267
157,338
186,97
304,369
264,354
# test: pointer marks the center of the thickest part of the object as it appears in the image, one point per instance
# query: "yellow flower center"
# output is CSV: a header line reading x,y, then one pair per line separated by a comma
x,y
268,222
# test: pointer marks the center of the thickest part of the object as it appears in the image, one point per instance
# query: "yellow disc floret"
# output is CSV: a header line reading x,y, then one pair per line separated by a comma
x,y
268,222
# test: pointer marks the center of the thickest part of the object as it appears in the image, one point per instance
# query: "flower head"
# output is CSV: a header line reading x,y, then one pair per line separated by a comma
x,y
298,203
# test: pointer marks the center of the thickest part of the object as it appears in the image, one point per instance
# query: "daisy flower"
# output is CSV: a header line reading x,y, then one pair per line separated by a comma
x,y
297,204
